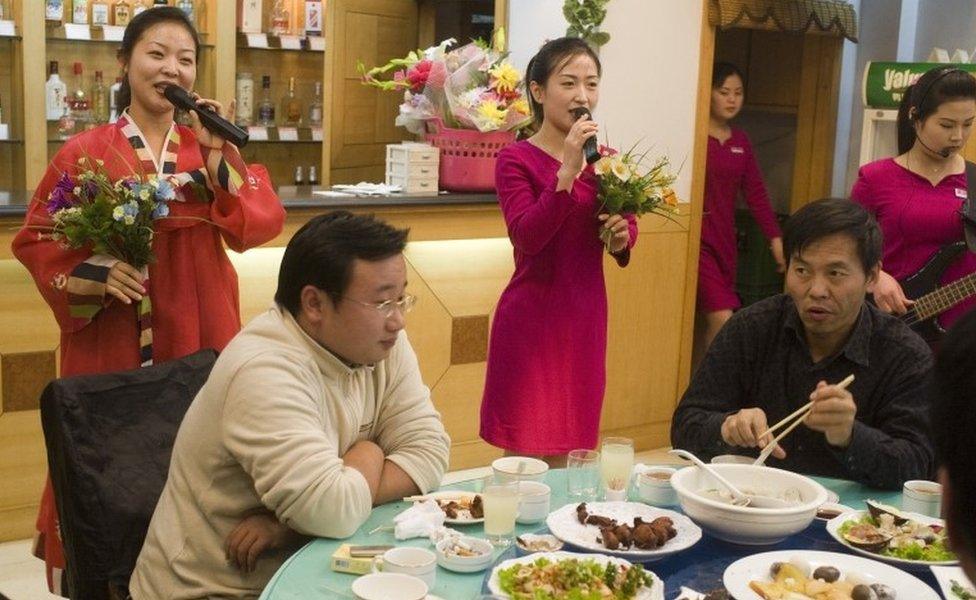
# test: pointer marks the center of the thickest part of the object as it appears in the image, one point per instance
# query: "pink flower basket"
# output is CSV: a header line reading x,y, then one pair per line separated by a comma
x,y
468,156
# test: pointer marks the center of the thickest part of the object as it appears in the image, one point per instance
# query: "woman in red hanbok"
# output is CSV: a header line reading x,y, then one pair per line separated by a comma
x,y
192,285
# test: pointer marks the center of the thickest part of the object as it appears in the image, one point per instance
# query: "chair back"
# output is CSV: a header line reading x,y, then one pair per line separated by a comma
x,y
109,439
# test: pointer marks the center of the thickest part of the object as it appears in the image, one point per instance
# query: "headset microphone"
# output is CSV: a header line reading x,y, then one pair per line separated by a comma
x,y
944,153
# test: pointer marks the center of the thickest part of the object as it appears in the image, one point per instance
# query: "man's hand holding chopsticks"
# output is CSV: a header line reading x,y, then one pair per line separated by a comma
x,y
745,427
832,413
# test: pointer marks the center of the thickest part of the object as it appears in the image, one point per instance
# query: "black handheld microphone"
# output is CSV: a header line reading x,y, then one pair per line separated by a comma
x,y
590,151
208,118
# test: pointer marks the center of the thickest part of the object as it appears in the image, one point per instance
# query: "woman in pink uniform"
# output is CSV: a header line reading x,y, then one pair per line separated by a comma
x,y
547,355
917,196
731,168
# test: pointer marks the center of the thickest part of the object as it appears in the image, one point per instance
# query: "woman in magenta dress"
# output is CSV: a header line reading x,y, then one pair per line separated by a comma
x,y
547,356
730,168
917,195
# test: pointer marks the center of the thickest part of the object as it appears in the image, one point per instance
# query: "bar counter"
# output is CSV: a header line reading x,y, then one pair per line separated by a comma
x,y
459,260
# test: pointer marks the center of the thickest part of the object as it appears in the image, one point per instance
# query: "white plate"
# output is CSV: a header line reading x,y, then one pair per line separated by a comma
x,y
564,525
945,576
756,568
834,524
655,592
456,496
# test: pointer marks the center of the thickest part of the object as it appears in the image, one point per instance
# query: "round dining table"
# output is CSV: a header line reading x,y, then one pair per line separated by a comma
x,y
307,574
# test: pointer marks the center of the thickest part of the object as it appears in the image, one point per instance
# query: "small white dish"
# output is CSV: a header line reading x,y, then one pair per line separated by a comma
x,y
389,586
464,517
520,468
551,543
465,564
947,575
829,510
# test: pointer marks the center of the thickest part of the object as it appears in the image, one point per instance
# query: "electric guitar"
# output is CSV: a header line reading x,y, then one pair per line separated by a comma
x,y
932,300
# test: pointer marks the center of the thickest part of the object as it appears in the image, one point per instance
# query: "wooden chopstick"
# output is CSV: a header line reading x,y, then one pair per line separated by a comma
x,y
801,412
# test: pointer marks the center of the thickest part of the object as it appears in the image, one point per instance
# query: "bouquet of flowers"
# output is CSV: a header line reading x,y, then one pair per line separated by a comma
x,y
471,87
113,217
627,186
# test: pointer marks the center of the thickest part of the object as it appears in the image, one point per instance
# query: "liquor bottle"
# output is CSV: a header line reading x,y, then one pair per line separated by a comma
x,y
315,108
121,13
313,176
188,9
139,6
55,94
299,177
313,17
279,18
54,10
291,106
99,100
266,109
249,16
245,99
78,101
99,12
113,100
79,12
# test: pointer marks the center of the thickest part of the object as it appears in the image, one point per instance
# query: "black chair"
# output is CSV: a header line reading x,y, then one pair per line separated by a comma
x,y
109,439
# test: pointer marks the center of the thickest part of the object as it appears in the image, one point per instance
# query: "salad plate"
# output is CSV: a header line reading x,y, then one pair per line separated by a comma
x,y
863,533
514,578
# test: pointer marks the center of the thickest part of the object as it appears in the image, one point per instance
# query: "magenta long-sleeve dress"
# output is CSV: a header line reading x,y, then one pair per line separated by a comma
x,y
730,167
546,370
917,219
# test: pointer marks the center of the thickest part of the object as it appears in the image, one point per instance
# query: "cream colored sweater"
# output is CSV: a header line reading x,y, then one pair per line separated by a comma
x,y
267,430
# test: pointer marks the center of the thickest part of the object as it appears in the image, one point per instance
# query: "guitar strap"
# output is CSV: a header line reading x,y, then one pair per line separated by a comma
x,y
969,207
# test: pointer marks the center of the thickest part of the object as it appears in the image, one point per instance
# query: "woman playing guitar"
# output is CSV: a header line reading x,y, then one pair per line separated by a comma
x,y
917,196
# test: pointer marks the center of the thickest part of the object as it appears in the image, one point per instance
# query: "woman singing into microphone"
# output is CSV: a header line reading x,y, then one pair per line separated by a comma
x,y
917,195
547,355
193,287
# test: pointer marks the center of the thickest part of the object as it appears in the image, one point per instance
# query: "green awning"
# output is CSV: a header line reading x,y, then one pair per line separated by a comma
x,y
829,17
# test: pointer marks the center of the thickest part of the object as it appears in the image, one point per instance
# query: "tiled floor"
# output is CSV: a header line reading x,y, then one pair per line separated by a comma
x,y
22,575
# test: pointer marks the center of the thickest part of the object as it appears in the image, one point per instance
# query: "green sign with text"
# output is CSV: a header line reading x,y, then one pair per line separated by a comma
x,y
885,82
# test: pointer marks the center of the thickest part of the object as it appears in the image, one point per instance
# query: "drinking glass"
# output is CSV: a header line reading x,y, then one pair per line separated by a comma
x,y
616,464
583,474
500,499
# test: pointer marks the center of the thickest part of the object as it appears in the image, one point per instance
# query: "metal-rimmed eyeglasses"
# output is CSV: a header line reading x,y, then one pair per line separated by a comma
x,y
388,307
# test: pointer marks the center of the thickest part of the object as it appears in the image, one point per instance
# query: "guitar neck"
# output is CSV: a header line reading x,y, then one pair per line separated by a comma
x,y
937,302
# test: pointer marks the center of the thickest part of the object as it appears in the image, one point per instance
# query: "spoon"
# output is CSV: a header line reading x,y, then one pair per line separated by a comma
x,y
738,497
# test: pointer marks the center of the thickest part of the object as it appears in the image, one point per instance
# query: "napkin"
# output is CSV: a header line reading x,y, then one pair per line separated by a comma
x,y
690,594
420,520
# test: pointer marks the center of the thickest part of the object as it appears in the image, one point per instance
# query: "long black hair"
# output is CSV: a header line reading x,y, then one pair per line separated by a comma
x,y
133,32
551,56
933,89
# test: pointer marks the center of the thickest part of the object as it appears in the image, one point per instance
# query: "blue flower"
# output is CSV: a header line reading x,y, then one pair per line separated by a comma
x,y
165,191
161,210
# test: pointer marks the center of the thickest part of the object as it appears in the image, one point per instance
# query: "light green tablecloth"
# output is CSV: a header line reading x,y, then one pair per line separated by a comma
x,y
307,574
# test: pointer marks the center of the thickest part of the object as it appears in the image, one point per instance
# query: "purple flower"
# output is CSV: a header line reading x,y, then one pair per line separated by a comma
x,y
62,196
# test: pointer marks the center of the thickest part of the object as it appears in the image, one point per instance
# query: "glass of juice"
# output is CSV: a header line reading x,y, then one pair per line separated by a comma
x,y
500,499
616,464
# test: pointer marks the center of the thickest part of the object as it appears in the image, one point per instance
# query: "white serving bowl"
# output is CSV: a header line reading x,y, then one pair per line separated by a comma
x,y
507,467
465,564
744,524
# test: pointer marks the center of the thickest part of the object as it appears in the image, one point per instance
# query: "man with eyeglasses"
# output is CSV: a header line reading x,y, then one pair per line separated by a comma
x,y
314,413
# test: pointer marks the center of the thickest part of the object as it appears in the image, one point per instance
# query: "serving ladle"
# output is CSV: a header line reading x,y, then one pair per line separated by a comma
x,y
739,498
